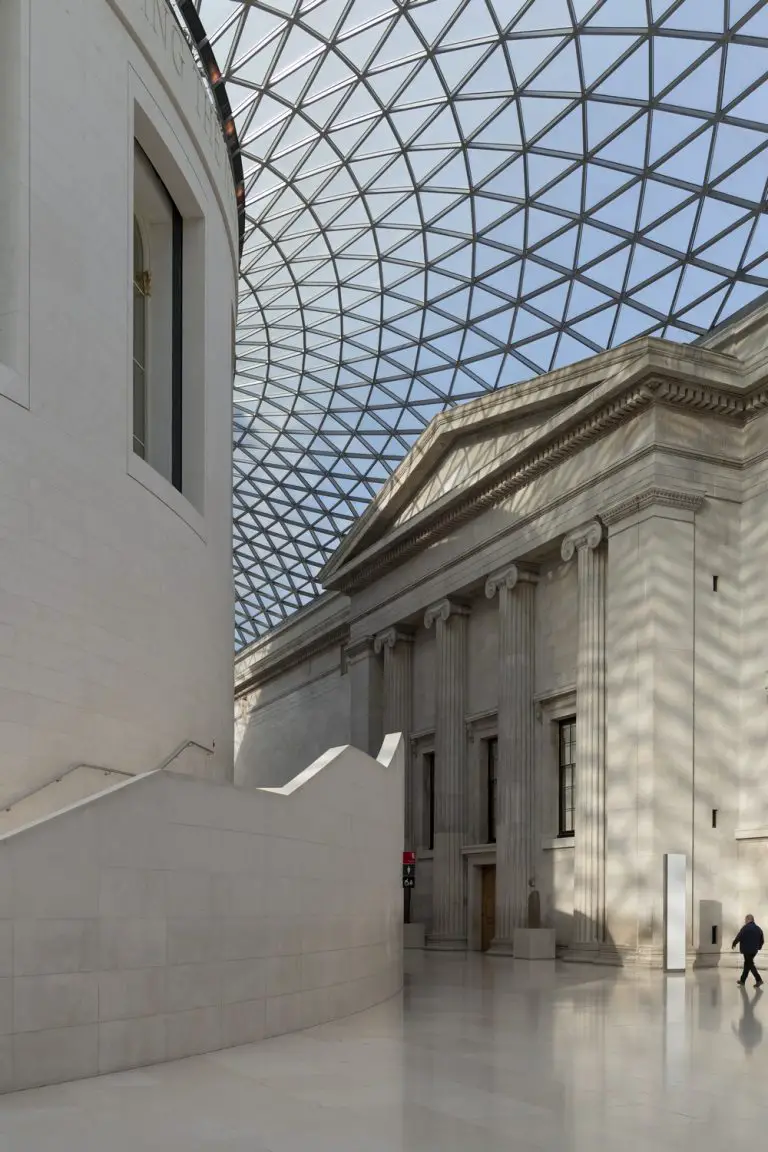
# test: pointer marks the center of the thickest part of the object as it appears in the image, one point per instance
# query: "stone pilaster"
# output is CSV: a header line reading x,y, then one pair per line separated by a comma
x,y
397,647
589,816
365,687
449,882
515,796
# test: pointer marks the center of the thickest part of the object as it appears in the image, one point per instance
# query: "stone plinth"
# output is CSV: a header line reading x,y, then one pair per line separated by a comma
x,y
534,944
414,936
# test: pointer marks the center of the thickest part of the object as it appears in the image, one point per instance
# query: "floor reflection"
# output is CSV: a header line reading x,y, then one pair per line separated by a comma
x,y
749,1030
484,1054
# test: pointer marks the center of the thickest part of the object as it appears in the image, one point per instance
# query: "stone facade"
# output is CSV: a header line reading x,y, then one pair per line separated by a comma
x,y
562,583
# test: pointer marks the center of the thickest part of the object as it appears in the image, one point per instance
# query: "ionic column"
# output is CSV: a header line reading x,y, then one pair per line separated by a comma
x,y
397,647
515,797
589,814
449,899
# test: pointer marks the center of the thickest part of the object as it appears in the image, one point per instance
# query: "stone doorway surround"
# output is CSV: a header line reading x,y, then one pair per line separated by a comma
x,y
477,856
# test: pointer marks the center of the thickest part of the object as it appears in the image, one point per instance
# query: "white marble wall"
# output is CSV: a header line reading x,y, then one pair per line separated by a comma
x,y
173,916
115,598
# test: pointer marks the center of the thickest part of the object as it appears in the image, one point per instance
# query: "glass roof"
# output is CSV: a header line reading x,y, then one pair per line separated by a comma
x,y
447,196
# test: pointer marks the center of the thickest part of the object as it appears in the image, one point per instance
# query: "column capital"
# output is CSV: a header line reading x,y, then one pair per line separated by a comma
x,y
588,535
390,637
443,610
509,578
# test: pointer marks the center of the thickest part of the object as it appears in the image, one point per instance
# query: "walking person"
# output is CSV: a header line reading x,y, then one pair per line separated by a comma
x,y
750,940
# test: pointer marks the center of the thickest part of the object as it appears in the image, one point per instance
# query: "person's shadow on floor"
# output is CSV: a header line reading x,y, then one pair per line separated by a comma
x,y
749,1030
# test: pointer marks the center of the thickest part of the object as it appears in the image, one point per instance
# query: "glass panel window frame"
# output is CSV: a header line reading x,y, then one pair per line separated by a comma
x,y
140,295
158,323
428,763
492,770
566,775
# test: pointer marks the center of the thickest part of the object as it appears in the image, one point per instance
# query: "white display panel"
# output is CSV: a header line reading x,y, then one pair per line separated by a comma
x,y
674,912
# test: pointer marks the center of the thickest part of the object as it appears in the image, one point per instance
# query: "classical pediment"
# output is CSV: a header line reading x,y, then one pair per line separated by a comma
x,y
469,457
466,443
472,455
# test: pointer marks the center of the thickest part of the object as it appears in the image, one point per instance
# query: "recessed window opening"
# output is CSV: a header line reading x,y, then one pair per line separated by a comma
x,y
429,800
158,253
492,761
566,773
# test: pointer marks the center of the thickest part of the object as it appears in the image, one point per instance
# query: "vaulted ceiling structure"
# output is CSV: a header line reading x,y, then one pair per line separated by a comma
x,y
444,197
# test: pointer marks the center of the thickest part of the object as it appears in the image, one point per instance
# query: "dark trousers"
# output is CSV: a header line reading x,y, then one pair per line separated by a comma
x,y
749,966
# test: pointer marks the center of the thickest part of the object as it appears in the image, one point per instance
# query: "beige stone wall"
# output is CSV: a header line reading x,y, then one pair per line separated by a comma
x,y
291,720
174,916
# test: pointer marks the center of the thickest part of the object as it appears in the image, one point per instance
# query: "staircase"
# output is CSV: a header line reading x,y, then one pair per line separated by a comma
x,y
80,781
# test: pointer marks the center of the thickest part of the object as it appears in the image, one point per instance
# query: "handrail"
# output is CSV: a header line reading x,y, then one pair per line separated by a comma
x,y
19,797
178,751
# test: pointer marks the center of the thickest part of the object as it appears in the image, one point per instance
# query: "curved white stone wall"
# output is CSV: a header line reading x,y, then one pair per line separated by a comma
x,y
171,916
115,589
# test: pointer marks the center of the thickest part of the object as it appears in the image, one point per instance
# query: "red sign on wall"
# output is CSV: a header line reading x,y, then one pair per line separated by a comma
x,y
409,857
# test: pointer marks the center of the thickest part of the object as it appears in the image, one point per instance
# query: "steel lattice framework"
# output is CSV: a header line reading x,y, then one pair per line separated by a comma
x,y
448,196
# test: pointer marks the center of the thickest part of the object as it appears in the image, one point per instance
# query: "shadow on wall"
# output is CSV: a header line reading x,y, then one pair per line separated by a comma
x,y
171,916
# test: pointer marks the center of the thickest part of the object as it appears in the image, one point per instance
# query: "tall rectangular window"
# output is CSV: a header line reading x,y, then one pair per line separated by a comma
x,y
429,799
492,761
566,773
158,274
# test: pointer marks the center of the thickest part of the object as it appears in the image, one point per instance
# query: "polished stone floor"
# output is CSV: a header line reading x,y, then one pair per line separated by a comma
x,y
479,1055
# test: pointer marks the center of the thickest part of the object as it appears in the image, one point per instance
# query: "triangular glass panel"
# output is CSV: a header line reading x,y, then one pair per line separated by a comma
x,y
504,129
565,136
628,148
668,131
757,25
630,76
621,211
599,54
604,118
540,17
716,217
700,89
732,145
527,54
689,164
566,193
561,74
537,112
658,200
694,15
620,14
454,65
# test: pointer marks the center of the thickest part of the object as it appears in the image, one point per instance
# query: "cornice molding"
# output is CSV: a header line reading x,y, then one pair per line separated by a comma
x,y
589,536
274,666
389,638
443,610
648,498
509,578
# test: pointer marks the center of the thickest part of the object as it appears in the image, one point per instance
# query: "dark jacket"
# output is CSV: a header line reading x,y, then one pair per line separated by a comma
x,y
750,940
